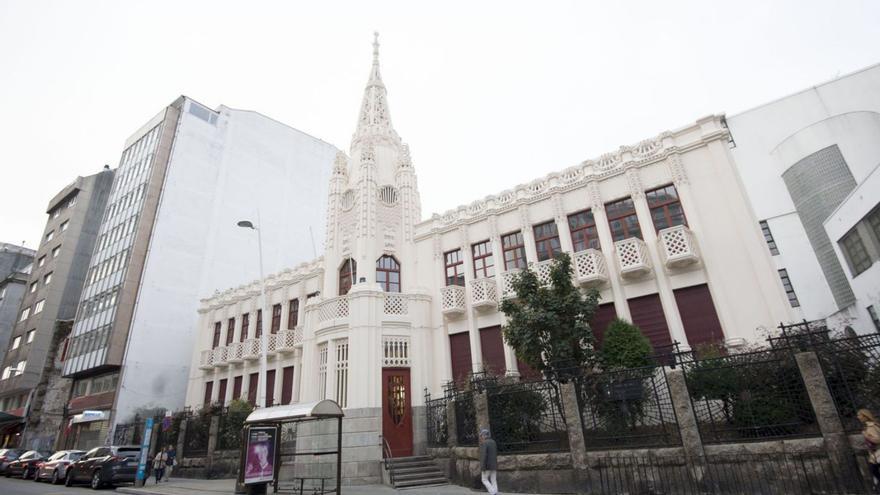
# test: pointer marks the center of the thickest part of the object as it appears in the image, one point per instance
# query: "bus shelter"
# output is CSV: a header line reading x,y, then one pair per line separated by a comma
x,y
270,438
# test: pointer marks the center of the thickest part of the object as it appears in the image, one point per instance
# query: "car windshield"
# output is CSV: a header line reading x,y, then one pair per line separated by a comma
x,y
92,452
74,456
10,453
57,455
129,452
30,454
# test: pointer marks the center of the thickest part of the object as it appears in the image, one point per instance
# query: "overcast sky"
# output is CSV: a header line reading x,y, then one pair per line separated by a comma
x,y
487,94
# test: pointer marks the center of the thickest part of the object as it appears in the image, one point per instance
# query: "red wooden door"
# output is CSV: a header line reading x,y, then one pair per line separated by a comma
x,y
460,356
492,345
397,411
647,314
698,315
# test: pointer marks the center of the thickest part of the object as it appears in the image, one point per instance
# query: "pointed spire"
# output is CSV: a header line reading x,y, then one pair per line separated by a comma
x,y
374,118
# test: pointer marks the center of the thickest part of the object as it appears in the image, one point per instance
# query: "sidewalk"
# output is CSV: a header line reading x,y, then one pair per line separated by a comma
x,y
181,486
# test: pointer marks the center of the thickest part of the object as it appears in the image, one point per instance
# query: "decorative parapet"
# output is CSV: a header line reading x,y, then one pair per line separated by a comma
x,y
507,283
632,257
333,308
272,343
220,357
286,277
206,360
250,349
234,352
677,246
396,304
452,300
484,293
286,340
590,268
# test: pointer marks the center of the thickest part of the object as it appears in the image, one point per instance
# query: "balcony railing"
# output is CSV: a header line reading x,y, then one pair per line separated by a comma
x,y
333,308
251,349
220,357
234,352
632,257
542,271
452,299
590,268
286,340
272,343
484,293
507,283
206,361
396,304
678,246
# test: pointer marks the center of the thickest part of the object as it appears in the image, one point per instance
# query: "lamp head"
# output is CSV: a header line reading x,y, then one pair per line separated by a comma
x,y
246,224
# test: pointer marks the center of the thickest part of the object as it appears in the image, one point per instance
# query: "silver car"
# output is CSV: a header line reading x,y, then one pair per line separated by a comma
x,y
54,468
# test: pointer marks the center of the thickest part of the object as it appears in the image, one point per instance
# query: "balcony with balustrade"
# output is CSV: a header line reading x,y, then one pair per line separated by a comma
x,y
272,343
507,283
590,269
632,257
286,341
251,349
677,246
484,293
220,357
206,360
234,352
396,304
332,311
542,271
452,300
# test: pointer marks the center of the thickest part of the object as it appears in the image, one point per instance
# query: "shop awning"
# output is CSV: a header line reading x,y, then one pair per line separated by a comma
x,y
5,417
87,416
293,412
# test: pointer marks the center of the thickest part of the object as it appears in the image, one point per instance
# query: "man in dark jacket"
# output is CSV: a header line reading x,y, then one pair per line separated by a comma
x,y
488,461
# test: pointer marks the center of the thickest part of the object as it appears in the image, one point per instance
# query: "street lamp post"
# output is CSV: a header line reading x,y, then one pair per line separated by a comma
x,y
261,380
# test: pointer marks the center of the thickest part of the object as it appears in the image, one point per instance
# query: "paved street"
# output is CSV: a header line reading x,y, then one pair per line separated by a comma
x,y
14,486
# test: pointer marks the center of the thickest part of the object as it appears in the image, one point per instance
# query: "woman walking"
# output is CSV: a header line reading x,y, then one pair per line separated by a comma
x,y
871,432
159,464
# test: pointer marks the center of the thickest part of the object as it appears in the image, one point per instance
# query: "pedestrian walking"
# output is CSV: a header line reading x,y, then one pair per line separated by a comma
x,y
871,433
159,464
170,461
489,462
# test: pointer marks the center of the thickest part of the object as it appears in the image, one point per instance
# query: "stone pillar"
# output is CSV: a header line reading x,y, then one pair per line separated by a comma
x,y
451,425
684,412
181,440
606,245
836,442
213,432
576,443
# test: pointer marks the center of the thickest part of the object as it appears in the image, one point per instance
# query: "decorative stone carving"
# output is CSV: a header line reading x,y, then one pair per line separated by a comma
x,y
676,168
595,196
340,164
405,160
524,217
558,208
635,183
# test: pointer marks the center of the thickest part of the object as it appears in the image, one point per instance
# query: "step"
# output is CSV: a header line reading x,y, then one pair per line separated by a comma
x,y
412,465
420,469
412,458
417,476
421,482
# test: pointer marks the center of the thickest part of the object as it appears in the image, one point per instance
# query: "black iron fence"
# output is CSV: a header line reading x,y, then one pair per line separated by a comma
x,y
750,396
198,429
627,408
435,415
527,417
465,418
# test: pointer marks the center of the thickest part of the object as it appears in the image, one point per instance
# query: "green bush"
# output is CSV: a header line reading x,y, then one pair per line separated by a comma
x,y
624,346
232,423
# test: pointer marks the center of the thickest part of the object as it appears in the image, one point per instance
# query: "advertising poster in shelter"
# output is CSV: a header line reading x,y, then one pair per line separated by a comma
x,y
260,456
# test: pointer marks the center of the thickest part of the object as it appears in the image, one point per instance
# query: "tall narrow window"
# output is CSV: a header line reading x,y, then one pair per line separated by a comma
x,y
514,251
454,267
622,219
789,289
221,392
583,231
253,385
292,314
342,373
388,274
245,323
209,389
276,318
230,330
768,237
854,250
665,207
259,323
547,241
216,341
484,262
322,371
286,385
874,222
347,275
270,388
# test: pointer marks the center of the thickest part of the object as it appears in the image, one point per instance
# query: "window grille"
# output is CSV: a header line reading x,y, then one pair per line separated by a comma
x,y
342,373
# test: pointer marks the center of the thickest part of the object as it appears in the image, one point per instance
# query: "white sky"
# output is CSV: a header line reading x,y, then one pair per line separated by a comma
x,y
487,94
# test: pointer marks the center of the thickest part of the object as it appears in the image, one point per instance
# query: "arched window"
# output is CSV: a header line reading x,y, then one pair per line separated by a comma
x,y
347,274
388,273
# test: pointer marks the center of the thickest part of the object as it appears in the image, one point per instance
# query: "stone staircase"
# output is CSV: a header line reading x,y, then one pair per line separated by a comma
x,y
410,472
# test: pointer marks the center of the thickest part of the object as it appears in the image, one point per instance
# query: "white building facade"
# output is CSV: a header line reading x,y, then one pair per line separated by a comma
x,y
809,163
396,305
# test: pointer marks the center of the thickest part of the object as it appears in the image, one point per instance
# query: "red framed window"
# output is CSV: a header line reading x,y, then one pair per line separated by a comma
x,y
286,385
245,323
276,318
259,323
622,219
230,331
547,240
347,274
388,273
270,388
221,392
209,390
253,380
454,267
583,231
216,341
514,251
484,262
236,387
666,210
292,314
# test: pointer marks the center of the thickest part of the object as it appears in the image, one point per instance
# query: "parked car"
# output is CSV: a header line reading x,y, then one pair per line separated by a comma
x,y
104,466
54,468
26,464
7,456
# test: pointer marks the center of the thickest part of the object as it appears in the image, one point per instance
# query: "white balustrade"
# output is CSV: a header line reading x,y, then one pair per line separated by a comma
x,y
206,360
542,271
452,299
590,268
396,304
484,293
285,341
333,308
632,257
234,352
677,246
298,336
507,283
272,343
251,349
220,357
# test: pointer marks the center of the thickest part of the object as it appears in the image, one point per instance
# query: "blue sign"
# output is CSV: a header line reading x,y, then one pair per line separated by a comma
x,y
145,449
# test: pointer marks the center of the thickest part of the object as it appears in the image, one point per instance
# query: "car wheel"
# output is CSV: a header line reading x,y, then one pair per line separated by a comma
x,y
68,480
54,478
97,481
24,474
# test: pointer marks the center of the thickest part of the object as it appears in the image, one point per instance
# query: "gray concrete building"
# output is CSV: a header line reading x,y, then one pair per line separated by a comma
x,y
15,264
51,291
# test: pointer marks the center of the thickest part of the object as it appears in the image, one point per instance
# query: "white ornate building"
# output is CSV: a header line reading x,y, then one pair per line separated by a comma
x,y
396,304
